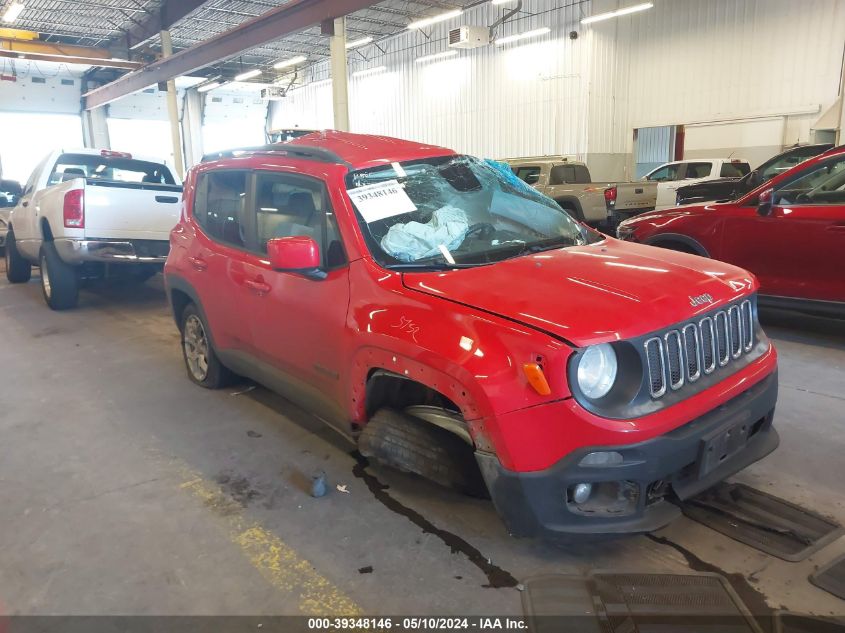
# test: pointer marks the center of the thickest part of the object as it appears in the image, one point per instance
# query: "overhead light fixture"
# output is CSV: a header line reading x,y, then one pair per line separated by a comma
x,y
293,61
13,12
209,86
361,42
521,36
420,24
248,75
615,14
428,58
369,71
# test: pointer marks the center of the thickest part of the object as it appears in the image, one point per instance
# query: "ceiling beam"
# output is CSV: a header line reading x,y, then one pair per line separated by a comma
x,y
273,25
142,31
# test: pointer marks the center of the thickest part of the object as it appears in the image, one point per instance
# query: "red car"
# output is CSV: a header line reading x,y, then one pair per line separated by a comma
x,y
790,232
454,322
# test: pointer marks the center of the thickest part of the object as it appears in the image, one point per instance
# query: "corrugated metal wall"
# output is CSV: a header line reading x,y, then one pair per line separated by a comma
x,y
528,97
682,62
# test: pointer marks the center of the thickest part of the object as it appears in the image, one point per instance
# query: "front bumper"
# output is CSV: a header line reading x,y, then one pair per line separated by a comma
x,y
540,504
114,251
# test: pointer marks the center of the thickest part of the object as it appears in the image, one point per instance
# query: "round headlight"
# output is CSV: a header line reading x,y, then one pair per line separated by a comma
x,y
597,370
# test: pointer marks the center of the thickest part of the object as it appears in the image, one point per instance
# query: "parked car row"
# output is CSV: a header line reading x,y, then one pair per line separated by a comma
x,y
447,317
789,231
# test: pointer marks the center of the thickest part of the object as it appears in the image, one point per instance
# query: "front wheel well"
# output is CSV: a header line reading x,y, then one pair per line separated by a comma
x,y
386,389
681,246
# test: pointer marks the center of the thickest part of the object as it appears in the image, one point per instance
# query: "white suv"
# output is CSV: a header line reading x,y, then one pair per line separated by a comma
x,y
670,176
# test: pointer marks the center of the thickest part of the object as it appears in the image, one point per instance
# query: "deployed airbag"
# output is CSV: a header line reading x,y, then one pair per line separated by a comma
x,y
411,241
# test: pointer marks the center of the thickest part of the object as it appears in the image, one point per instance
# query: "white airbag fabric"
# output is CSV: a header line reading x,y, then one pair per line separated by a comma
x,y
412,241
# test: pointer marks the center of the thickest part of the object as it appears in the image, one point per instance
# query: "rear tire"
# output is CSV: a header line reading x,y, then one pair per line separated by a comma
x,y
413,445
201,362
18,270
59,281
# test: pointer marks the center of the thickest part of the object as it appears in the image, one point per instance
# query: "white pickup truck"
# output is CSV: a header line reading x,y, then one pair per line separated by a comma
x,y
670,176
90,213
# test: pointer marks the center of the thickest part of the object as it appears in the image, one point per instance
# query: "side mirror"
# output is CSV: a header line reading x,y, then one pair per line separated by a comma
x,y
764,203
299,254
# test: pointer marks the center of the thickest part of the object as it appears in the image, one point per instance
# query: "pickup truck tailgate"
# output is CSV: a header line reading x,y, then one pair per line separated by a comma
x,y
636,196
137,211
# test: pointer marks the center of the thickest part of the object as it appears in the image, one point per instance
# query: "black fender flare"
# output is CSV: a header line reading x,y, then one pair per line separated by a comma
x,y
694,244
177,282
575,203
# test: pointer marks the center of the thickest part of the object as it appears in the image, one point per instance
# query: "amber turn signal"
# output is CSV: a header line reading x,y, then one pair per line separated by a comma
x,y
536,378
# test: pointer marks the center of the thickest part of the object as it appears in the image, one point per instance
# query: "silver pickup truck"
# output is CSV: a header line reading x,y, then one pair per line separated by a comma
x,y
569,183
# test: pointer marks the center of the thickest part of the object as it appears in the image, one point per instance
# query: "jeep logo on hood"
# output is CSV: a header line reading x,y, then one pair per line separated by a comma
x,y
700,300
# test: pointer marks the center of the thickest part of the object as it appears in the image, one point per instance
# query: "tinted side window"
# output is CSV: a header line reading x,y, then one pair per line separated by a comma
x,y
734,170
572,174
664,174
529,175
824,183
220,206
289,206
698,170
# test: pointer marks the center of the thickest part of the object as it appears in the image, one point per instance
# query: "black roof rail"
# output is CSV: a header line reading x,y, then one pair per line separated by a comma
x,y
297,151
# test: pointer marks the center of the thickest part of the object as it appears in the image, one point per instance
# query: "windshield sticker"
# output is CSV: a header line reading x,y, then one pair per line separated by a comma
x,y
381,200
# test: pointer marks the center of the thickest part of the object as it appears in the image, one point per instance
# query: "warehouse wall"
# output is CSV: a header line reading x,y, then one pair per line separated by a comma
x,y
754,73
751,75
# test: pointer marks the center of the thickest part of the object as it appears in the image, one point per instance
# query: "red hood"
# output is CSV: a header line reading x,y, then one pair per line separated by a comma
x,y
591,294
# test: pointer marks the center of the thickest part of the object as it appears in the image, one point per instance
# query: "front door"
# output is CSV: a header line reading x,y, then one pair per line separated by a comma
x,y
298,323
795,250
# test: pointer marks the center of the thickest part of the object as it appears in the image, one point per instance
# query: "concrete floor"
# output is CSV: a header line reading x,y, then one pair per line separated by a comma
x,y
125,489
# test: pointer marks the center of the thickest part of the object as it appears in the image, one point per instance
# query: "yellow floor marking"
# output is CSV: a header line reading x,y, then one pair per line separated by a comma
x,y
279,563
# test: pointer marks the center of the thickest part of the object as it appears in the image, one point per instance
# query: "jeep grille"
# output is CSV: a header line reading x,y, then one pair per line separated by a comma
x,y
683,354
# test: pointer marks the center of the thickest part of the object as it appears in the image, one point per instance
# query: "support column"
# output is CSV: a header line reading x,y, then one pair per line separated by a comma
x,y
173,109
95,131
192,126
340,86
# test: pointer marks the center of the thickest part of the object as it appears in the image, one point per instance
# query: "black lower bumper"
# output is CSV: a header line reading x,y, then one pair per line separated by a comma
x,y
683,463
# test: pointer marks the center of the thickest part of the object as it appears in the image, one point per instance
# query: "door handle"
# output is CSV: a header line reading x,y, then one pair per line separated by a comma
x,y
167,199
198,263
257,285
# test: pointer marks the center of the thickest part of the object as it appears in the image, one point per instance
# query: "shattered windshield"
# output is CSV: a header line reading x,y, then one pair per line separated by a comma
x,y
455,211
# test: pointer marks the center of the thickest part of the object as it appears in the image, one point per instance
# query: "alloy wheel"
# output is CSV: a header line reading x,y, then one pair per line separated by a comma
x,y
196,347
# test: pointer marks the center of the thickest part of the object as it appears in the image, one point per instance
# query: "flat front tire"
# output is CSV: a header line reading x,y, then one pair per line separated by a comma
x,y
59,281
201,363
18,270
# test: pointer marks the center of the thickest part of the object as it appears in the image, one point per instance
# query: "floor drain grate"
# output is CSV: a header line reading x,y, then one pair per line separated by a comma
x,y
831,577
632,602
762,521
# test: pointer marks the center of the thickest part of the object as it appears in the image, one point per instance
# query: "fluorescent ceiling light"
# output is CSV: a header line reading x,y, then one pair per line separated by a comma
x,y
369,71
615,14
361,42
12,13
248,75
521,36
207,87
293,61
426,58
419,24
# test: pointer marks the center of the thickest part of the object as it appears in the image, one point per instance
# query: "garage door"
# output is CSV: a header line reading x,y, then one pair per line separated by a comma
x,y
21,150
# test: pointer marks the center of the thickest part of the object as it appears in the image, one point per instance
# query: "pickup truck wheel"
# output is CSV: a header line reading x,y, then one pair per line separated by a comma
x,y
18,270
59,281
204,368
413,445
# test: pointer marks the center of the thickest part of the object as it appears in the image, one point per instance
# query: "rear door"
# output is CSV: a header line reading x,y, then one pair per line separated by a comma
x,y
795,250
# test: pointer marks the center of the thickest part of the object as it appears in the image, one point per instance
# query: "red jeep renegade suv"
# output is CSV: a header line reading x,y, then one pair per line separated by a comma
x,y
454,322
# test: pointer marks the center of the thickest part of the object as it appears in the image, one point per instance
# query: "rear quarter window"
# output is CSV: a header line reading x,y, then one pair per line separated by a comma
x,y
569,174
734,170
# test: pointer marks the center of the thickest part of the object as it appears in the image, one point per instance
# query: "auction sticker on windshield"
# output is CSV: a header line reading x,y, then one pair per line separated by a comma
x,y
381,200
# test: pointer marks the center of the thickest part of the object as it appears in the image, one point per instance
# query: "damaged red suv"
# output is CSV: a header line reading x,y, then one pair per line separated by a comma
x,y
454,322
